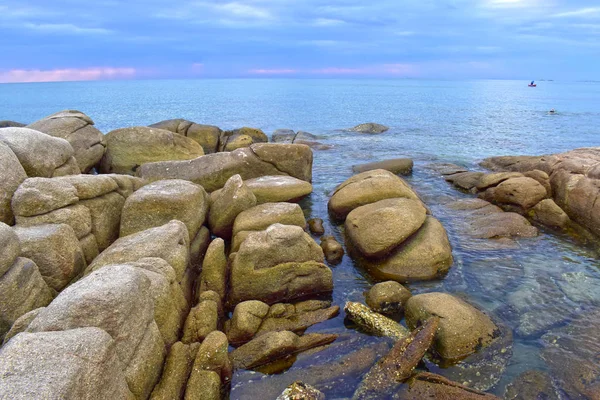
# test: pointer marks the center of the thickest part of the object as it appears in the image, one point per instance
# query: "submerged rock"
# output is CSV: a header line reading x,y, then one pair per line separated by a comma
x,y
431,386
373,322
316,226
370,127
532,385
387,297
301,391
333,250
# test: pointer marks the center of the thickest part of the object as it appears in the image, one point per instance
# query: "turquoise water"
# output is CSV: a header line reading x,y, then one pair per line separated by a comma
x,y
537,287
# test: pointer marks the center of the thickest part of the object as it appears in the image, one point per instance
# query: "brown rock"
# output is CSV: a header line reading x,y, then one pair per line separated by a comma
x,y
207,136
241,137
215,272
175,374
202,320
21,324
464,180
212,356
9,243
388,297
292,159
299,390
297,317
531,385
36,196
399,166
264,215
227,203
77,216
523,192
542,178
204,385
12,176
428,385
489,180
333,250
370,127
105,212
546,212
272,189
316,226
246,320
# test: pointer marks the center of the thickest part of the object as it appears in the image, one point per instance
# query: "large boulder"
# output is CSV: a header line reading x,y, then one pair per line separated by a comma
x,y
162,201
548,213
462,329
260,217
78,129
11,177
37,196
370,127
56,251
401,166
40,154
522,191
9,243
425,255
271,189
215,272
207,136
213,170
277,264
494,179
227,203
77,216
23,289
128,148
72,364
377,228
365,188
117,299
169,242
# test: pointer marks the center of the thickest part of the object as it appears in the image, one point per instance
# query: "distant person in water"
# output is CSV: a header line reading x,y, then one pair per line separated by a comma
x,y
552,111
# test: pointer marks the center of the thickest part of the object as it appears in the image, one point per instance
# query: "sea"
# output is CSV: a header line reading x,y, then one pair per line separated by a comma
x,y
535,289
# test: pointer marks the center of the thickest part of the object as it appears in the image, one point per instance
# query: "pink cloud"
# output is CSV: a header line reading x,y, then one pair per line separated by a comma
x,y
67,74
273,71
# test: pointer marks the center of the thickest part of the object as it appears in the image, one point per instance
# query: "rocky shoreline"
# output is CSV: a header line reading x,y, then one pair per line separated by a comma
x,y
155,262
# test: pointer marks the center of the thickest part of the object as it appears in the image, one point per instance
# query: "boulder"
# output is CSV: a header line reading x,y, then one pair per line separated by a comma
x,y
212,356
175,373
377,228
424,256
215,271
262,216
272,189
246,320
117,299
462,330
56,251
370,127
241,137
315,225
127,183
128,148
76,216
169,242
105,212
206,136
398,166
12,176
283,136
11,124
365,188
202,320
387,297
277,264
21,324
68,168
227,203
333,250
465,180
213,170
299,390
37,196
72,364
205,385
11,249
275,345
78,129
489,180
38,153
23,289
543,178
89,247
548,213
90,186
162,201
523,192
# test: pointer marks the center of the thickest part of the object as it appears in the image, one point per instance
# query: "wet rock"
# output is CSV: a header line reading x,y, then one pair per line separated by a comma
x,y
212,356
206,136
370,127
227,203
241,137
175,373
447,168
39,154
333,250
463,329
548,213
377,228
315,225
77,216
523,192
23,289
464,180
277,264
12,176
202,320
56,251
264,215
213,170
9,243
272,189
74,364
128,148
373,322
426,385
275,345
283,136
397,366
400,166
78,129
169,242
531,385
162,201
36,196
301,391
214,269
489,180
388,297
365,188
425,255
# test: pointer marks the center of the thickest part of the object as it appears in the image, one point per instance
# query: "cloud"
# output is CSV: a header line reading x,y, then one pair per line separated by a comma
x,y
582,12
328,22
273,71
68,74
369,70
243,10
66,28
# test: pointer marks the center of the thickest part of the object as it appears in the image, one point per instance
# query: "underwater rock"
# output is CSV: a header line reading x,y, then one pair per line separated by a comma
x,y
373,322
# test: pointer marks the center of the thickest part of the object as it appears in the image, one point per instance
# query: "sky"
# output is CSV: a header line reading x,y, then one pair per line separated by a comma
x,y
57,40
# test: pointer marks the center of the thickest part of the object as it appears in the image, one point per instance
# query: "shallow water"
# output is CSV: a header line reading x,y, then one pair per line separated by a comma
x,y
534,288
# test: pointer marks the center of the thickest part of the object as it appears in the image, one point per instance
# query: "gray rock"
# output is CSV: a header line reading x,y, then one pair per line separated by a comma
x,y
215,271
11,124
73,364
21,324
9,243
207,136
227,203
38,196
370,127
11,177
78,129
283,136
264,215
105,212
76,215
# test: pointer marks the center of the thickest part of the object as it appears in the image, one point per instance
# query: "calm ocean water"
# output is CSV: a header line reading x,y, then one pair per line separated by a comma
x,y
533,289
